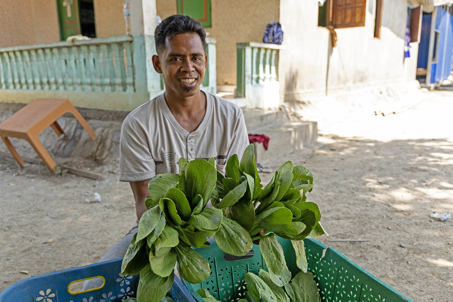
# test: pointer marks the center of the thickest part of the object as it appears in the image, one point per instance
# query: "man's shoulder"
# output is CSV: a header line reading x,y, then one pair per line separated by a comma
x,y
144,111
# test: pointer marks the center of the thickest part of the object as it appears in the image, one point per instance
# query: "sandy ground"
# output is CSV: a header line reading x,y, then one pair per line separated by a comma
x,y
377,180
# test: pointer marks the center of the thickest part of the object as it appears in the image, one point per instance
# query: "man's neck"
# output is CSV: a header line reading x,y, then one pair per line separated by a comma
x,y
188,111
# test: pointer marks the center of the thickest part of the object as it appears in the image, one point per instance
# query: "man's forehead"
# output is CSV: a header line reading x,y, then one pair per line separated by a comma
x,y
184,39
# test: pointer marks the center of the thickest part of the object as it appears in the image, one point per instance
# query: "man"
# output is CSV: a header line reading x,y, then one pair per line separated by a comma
x,y
182,122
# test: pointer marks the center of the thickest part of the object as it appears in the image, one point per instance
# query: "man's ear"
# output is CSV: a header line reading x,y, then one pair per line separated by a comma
x,y
205,61
156,64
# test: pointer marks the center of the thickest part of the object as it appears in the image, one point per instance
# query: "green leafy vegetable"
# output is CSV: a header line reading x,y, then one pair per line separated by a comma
x,y
274,258
278,291
151,287
305,288
206,295
258,290
232,238
301,258
135,258
192,267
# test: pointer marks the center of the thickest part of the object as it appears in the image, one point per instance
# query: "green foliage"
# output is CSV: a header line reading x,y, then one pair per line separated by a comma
x,y
177,219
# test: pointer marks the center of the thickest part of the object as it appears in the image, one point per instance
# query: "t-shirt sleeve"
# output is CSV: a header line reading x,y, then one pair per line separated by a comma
x,y
136,162
240,136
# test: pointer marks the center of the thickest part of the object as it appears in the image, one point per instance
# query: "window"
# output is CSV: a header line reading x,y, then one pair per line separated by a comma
x,y
342,13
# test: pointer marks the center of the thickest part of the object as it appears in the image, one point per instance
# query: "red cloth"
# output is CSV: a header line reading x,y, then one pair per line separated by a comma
x,y
260,138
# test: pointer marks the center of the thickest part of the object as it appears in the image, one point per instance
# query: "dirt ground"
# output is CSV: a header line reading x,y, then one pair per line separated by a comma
x,y
378,178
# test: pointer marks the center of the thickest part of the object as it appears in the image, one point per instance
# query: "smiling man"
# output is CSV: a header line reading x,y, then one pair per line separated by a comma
x,y
184,121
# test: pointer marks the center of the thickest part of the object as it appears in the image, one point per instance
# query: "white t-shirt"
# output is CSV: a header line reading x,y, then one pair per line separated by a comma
x,y
152,141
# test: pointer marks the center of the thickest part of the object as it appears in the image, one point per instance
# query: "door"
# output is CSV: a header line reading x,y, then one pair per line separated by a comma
x,y
442,50
68,13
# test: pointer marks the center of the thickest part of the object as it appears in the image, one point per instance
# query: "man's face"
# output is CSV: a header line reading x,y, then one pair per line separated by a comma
x,y
182,64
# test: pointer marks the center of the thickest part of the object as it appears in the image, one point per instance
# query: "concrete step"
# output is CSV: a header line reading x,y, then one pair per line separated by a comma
x,y
258,120
287,134
292,136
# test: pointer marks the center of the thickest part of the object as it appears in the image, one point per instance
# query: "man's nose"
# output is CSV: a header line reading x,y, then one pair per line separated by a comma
x,y
187,64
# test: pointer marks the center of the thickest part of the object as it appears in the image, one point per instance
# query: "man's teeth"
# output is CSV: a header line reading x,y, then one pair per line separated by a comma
x,y
188,81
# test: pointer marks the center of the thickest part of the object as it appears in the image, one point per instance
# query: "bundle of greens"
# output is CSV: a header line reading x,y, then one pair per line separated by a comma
x,y
280,207
176,220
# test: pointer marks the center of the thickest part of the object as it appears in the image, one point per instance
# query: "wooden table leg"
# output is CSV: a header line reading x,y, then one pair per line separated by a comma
x,y
57,128
42,152
83,122
13,151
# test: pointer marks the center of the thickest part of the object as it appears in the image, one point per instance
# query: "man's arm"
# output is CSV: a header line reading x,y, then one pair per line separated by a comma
x,y
140,190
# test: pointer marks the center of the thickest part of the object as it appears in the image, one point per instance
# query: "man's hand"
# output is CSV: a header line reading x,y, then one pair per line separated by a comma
x,y
140,190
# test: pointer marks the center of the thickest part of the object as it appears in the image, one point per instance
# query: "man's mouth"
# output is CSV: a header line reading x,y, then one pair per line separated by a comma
x,y
188,81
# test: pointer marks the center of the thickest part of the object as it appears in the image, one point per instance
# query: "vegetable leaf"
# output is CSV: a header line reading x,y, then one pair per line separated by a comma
x,y
232,238
208,220
233,196
273,256
299,250
151,287
135,258
258,290
305,288
158,187
200,178
192,267
278,291
163,264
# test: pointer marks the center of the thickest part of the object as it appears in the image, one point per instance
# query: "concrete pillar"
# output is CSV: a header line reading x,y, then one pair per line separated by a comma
x,y
142,22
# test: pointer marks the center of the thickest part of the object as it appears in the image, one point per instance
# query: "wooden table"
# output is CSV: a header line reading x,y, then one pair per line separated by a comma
x,y
31,120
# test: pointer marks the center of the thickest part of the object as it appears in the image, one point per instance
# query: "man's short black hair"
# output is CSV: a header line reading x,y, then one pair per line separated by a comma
x,y
177,24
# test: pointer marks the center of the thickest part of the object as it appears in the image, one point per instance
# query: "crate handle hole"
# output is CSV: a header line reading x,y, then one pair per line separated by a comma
x,y
86,285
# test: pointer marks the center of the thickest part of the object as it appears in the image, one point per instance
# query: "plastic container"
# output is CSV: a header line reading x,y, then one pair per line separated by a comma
x,y
338,278
67,286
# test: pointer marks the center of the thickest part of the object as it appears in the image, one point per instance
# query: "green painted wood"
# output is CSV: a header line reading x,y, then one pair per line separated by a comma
x,y
199,10
68,15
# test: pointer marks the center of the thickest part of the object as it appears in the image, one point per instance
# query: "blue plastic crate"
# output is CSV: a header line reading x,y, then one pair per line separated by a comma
x,y
58,286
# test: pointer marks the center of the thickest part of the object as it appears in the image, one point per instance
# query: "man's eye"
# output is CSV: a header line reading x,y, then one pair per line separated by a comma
x,y
175,59
198,58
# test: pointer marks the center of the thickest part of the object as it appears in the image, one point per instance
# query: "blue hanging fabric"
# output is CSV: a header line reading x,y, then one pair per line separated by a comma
x,y
273,33
407,38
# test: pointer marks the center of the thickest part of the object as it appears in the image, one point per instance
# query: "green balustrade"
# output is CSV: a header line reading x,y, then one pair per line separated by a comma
x,y
257,63
105,73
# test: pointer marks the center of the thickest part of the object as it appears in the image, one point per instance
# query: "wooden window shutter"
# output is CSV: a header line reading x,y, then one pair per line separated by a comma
x,y
348,13
378,19
415,24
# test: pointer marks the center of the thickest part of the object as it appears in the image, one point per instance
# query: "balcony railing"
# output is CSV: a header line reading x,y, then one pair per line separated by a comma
x,y
257,73
108,73
92,65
